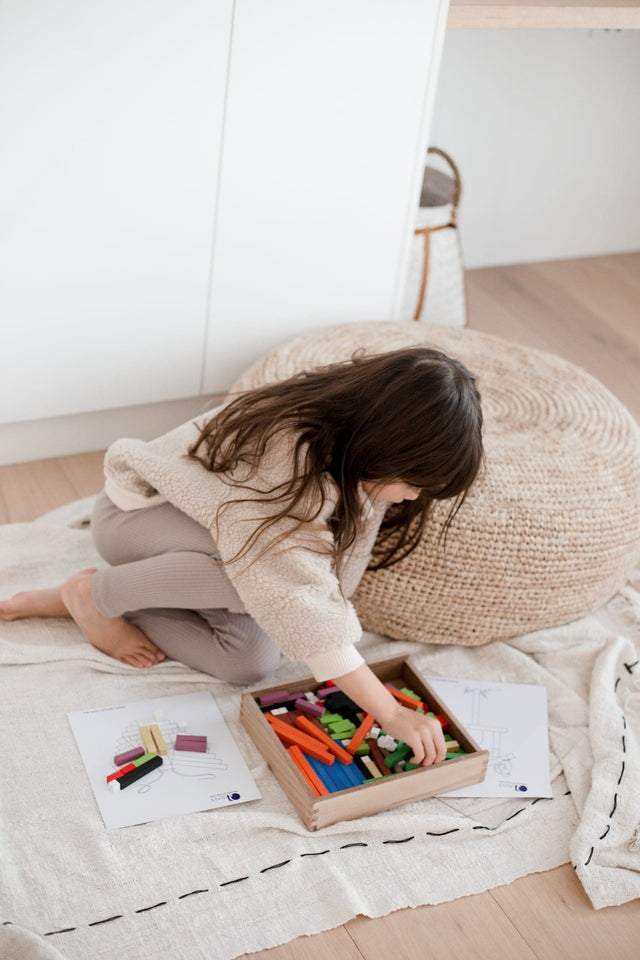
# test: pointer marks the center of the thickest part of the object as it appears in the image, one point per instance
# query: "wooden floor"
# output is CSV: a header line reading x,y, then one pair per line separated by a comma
x,y
588,311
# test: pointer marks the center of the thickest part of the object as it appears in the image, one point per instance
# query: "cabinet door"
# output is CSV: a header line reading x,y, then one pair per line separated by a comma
x,y
326,131
111,118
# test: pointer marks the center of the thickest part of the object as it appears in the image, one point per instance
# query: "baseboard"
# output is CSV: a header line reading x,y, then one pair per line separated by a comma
x,y
81,432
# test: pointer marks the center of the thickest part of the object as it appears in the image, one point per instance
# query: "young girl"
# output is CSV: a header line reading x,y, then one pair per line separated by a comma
x,y
243,534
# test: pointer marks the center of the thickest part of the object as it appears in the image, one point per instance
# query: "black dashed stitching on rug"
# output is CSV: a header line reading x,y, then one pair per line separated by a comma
x,y
521,810
514,814
624,750
630,666
615,686
162,903
566,793
319,853
274,866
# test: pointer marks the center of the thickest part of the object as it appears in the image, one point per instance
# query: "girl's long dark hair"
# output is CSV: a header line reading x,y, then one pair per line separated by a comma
x,y
412,414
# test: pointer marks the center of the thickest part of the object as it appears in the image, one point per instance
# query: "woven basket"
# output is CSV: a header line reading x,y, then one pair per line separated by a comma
x,y
435,290
551,530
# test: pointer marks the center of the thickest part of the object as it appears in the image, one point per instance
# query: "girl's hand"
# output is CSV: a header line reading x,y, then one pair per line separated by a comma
x,y
423,734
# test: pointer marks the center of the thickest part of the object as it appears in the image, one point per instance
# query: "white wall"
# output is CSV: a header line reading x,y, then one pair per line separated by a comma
x,y
545,127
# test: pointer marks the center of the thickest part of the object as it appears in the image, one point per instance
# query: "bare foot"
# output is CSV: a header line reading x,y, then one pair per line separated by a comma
x,y
36,603
113,635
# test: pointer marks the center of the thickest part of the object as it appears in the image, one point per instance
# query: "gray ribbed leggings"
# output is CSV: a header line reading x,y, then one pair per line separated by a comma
x,y
166,578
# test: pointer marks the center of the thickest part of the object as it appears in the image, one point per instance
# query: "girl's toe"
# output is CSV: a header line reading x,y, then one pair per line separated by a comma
x,y
133,661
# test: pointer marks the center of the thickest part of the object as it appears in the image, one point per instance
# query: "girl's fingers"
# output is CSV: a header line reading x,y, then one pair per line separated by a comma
x,y
433,748
439,744
424,735
429,752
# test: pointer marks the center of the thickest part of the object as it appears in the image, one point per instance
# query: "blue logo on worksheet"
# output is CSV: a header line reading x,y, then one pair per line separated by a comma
x,y
518,787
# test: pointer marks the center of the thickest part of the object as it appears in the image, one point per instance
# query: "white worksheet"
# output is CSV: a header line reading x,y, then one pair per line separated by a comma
x,y
186,782
510,721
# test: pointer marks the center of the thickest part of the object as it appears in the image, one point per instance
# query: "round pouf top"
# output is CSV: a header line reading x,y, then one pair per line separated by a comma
x,y
551,529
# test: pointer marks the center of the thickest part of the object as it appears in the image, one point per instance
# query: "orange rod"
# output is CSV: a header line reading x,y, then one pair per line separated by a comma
x,y
290,735
305,724
407,701
360,733
307,771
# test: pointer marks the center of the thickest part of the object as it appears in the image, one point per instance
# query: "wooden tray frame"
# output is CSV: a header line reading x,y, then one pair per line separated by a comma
x,y
382,794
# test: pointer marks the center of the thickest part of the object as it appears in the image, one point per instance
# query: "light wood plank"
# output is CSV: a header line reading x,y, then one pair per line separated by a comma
x,y
554,915
544,14
333,944
28,490
85,473
487,314
606,286
624,265
582,332
468,927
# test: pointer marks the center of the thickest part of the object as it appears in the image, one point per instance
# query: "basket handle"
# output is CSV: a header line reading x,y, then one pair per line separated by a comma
x,y
427,231
457,180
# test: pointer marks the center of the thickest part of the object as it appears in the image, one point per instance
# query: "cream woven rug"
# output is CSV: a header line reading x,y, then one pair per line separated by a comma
x,y
219,884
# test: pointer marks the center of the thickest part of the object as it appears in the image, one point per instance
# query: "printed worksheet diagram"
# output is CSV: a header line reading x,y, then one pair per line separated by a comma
x,y
510,721
186,782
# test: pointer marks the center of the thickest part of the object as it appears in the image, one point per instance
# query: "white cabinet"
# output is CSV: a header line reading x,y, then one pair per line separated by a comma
x,y
182,185
110,121
328,112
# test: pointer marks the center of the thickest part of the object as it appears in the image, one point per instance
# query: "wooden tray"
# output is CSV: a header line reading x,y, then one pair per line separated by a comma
x,y
382,794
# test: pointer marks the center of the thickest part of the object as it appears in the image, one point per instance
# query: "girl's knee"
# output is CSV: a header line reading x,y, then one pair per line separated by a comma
x,y
263,665
257,661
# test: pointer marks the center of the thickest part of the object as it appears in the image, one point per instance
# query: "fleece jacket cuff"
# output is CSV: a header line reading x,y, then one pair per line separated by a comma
x,y
335,663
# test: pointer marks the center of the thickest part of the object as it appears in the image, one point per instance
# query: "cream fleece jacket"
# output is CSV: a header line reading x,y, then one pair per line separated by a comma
x,y
289,587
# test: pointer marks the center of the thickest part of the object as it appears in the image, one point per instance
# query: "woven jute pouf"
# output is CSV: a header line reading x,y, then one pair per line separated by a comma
x,y
548,533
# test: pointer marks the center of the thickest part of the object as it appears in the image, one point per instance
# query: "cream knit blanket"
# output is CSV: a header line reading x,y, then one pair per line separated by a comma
x,y
217,884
